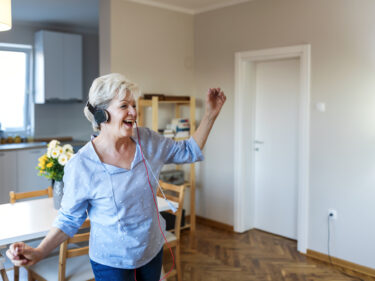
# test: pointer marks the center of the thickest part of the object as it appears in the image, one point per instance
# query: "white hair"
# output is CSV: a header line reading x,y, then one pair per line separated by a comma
x,y
104,89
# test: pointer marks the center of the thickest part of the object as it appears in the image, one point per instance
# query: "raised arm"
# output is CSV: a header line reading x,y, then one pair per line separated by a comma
x,y
22,254
215,100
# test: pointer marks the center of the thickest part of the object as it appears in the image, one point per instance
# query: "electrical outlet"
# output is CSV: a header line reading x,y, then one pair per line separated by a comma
x,y
332,214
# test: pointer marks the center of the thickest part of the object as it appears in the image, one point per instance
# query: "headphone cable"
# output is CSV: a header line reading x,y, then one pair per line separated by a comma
x,y
157,210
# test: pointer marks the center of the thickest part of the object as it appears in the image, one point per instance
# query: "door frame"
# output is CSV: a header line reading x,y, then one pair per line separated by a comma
x,y
244,132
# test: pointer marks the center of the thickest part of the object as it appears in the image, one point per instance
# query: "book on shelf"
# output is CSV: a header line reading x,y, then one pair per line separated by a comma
x,y
182,135
162,97
168,133
180,124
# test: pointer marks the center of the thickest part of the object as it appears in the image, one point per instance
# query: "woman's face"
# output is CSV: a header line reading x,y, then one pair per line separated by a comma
x,y
122,116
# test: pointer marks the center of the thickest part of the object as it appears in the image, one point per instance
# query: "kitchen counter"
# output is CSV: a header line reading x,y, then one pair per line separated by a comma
x,y
30,145
19,146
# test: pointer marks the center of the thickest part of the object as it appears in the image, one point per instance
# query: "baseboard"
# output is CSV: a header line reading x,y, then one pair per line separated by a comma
x,y
212,223
342,263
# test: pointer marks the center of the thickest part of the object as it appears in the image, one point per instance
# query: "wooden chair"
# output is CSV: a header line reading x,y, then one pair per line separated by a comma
x,y
13,197
174,193
25,195
71,263
3,272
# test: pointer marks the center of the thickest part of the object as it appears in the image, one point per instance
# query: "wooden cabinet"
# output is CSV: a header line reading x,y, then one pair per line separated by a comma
x,y
18,173
58,67
27,178
178,103
8,174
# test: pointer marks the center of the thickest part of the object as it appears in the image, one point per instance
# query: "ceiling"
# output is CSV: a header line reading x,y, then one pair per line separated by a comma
x,y
191,6
85,13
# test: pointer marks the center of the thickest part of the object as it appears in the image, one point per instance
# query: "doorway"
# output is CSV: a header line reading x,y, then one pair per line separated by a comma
x,y
247,178
276,134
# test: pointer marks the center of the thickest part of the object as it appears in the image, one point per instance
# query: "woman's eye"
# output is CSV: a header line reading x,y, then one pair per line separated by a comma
x,y
127,105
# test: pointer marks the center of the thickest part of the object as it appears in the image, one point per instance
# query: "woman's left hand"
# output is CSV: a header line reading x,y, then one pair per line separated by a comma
x,y
214,102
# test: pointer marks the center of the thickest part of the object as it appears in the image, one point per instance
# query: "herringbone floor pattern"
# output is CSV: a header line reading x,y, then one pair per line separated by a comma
x,y
218,255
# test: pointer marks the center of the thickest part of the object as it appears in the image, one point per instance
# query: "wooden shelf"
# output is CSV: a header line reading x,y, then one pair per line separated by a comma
x,y
154,104
181,139
143,102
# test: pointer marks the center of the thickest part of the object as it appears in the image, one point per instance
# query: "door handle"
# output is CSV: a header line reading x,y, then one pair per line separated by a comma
x,y
258,142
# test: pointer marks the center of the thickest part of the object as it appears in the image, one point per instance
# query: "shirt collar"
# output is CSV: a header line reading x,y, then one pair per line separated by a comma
x,y
91,154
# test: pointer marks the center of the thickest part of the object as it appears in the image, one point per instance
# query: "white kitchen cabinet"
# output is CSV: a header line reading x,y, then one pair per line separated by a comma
x,y
27,177
8,174
58,67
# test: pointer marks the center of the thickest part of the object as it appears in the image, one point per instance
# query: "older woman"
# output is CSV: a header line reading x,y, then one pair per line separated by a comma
x,y
107,180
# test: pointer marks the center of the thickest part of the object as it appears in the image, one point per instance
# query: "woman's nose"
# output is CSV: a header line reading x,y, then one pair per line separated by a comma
x,y
132,110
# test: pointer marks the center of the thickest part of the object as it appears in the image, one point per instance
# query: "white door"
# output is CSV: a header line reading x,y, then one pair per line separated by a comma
x,y
276,141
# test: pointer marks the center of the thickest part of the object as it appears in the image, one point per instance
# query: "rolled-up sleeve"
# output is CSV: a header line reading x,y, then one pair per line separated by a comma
x,y
180,152
75,200
170,151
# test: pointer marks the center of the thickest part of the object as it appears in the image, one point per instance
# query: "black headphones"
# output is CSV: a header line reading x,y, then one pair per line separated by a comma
x,y
100,115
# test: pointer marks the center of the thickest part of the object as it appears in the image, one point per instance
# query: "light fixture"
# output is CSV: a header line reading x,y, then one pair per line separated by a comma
x,y
5,15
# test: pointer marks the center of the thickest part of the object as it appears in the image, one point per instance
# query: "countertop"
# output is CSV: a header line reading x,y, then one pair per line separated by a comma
x,y
31,145
19,146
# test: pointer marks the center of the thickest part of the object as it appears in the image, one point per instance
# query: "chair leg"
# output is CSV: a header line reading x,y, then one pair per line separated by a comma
x,y
30,276
4,274
16,273
178,262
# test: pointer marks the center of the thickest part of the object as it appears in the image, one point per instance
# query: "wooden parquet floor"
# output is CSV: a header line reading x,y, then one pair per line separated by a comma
x,y
218,255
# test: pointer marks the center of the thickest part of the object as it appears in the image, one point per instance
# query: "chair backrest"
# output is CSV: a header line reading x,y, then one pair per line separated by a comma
x,y
78,250
24,195
176,194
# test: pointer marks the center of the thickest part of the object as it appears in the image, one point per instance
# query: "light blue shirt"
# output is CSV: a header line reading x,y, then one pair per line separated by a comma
x,y
124,226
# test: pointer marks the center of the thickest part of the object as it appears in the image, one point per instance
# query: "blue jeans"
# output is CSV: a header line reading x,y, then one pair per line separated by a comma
x,y
148,272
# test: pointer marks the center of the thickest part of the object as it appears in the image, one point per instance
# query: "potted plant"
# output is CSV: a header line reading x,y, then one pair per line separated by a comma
x,y
51,165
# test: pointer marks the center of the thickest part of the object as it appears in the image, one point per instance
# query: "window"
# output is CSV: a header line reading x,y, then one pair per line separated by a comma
x,y
15,88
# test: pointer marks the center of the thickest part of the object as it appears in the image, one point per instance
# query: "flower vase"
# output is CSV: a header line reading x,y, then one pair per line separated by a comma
x,y
58,192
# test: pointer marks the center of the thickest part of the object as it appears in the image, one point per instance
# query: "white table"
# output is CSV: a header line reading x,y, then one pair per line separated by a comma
x,y
32,219
26,220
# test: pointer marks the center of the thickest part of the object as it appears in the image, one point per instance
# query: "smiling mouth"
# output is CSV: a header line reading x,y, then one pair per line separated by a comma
x,y
129,123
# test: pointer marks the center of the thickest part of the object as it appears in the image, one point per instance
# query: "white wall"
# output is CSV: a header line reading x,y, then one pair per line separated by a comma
x,y
153,47
53,120
342,168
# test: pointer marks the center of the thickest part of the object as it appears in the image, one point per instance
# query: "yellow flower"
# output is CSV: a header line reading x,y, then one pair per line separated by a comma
x,y
43,158
53,169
